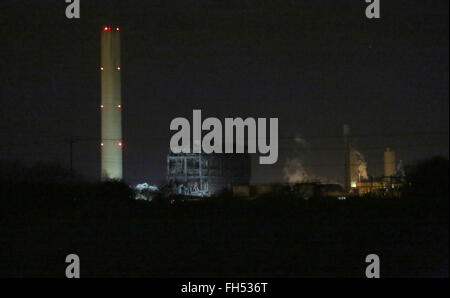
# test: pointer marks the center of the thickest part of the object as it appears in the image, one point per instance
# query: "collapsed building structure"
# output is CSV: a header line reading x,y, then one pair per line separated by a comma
x,y
198,174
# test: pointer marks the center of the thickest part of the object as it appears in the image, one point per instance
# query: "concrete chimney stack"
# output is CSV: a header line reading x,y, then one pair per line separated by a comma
x,y
389,163
111,105
347,153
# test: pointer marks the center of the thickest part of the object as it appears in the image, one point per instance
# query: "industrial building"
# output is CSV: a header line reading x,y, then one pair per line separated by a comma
x,y
206,175
356,180
387,185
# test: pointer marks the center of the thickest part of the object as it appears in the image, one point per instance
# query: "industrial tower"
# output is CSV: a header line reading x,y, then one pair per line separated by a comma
x,y
350,161
111,105
347,149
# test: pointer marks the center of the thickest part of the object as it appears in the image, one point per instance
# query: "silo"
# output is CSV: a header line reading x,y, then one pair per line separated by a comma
x,y
389,163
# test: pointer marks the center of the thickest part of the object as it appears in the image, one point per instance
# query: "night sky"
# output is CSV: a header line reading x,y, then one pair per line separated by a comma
x,y
315,65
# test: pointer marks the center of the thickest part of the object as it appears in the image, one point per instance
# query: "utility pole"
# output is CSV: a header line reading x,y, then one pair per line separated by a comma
x,y
71,143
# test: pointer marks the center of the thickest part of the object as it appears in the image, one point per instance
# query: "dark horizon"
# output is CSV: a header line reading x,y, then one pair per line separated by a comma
x,y
315,66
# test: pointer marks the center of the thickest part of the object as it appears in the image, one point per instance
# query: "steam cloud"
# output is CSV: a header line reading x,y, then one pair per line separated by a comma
x,y
294,171
362,165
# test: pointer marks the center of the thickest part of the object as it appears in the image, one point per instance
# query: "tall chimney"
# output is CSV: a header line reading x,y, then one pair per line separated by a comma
x,y
389,163
111,105
347,176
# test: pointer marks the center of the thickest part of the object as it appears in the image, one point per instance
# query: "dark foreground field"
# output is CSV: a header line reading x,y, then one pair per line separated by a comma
x,y
120,237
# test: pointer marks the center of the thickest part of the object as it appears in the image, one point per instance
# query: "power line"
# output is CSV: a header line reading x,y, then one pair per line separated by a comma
x,y
285,137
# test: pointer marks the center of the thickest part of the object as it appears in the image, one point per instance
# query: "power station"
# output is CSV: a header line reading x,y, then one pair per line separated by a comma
x,y
197,174
111,105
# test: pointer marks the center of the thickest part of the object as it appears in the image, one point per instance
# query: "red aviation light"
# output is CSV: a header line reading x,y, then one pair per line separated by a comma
x,y
117,29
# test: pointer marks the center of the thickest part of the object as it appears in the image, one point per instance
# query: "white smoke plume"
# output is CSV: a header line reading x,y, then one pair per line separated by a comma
x,y
294,171
400,169
362,165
